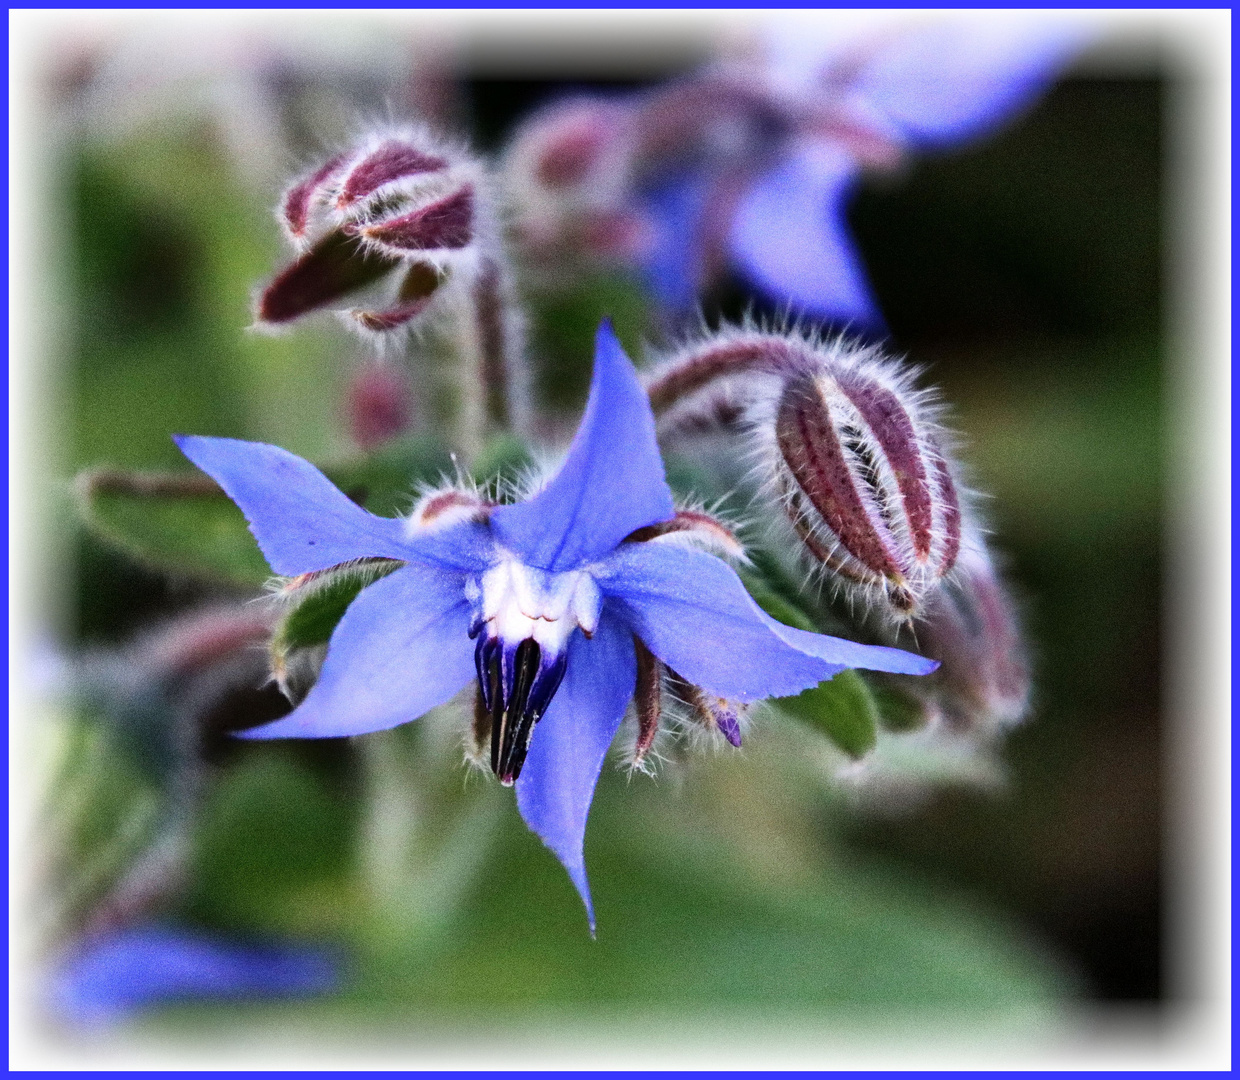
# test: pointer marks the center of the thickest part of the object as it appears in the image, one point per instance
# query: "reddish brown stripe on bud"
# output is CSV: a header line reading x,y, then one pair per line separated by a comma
x,y
893,429
720,361
443,501
335,266
830,559
712,532
448,223
297,201
414,296
648,699
392,161
951,514
390,318
813,454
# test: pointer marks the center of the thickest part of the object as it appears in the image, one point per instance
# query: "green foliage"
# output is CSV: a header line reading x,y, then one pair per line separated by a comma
x,y
504,457
564,324
317,607
172,522
843,708
273,848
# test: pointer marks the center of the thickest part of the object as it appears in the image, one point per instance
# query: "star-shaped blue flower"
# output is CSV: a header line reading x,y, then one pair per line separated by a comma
x,y
540,601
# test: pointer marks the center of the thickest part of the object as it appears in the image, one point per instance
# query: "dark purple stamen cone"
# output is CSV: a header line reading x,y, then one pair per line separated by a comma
x,y
516,686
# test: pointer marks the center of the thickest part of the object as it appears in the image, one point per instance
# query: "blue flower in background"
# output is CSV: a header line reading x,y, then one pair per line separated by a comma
x,y
848,103
542,602
107,979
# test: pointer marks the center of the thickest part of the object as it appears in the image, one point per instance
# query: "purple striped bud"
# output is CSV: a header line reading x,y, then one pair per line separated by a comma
x,y
407,225
852,451
399,206
866,485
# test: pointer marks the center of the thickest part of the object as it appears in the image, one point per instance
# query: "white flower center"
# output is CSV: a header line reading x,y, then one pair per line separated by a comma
x,y
520,602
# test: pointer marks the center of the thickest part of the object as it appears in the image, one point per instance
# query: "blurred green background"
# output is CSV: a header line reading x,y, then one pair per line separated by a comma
x,y
1025,271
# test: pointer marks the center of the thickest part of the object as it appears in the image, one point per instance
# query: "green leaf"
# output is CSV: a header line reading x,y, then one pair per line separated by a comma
x,y
564,324
182,522
843,708
179,522
318,605
898,711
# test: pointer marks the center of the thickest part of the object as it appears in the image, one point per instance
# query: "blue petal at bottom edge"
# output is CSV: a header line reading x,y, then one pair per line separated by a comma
x,y
556,786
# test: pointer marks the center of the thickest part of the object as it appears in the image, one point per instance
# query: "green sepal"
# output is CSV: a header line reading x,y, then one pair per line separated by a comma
x,y
843,708
317,603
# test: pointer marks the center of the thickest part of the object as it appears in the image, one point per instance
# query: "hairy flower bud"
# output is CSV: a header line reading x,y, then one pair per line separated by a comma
x,y
404,226
971,626
397,204
851,450
566,177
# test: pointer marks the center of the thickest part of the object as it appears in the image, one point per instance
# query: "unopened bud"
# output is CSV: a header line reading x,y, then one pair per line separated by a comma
x,y
566,180
853,453
380,405
866,486
398,205
971,626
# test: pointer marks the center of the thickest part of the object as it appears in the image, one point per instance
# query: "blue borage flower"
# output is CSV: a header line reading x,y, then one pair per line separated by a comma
x,y
835,106
546,603
107,979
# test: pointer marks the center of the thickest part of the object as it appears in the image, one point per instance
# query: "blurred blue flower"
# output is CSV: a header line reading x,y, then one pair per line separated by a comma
x,y
847,104
541,601
107,979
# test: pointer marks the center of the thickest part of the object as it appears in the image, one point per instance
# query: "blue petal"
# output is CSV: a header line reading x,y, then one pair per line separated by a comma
x,y
672,266
694,614
610,484
303,522
401,649
570,742
151,964
950,82
790,237
845,653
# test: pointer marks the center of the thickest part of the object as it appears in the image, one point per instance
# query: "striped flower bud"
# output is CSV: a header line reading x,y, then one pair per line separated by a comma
x,y
398,205
396,231
851,450
566,177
